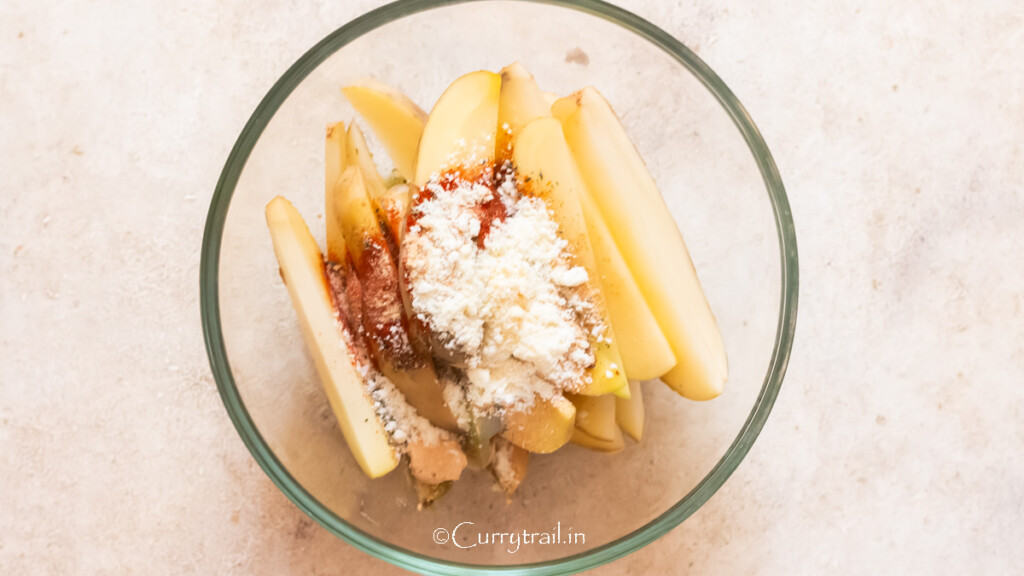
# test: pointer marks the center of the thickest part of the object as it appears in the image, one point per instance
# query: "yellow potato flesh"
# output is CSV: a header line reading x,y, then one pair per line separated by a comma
x,y
545,168
519,102
358,221
394,210
302,268
461,127
629,412
542,428
595,416
361,228
335,156
581,438
423,391
650,242
646,353
358,154
396,120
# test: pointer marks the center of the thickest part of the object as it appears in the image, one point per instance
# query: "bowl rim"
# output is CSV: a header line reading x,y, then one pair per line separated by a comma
x,y
676,514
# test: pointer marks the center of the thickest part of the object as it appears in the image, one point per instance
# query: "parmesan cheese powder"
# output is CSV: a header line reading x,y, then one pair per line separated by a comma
x,y
507,307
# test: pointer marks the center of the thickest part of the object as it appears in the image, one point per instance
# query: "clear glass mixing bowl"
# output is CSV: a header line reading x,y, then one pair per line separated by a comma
x,y
718,179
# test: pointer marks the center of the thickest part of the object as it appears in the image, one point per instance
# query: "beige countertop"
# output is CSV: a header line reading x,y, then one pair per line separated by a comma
x,y
895,445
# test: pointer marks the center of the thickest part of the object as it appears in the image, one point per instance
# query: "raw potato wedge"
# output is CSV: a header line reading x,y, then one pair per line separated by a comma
x,y
546,168
335,158
461,127
646,353
385,322
302,268
393,208
393,211
542,428
358,154
649,240
519,101
581,438
629,412
395,119
595,416
421,389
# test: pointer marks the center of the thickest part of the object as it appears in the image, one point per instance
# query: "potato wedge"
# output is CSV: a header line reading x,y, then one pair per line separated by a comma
x,y
393,209
384,318
646,353
335,157
543,427
545,167
581,438
396,120
302,268
629,412
461,127
651,244
519,101
595,415
358,154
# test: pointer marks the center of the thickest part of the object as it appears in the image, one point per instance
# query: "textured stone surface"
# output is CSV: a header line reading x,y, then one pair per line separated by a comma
x,y
895,444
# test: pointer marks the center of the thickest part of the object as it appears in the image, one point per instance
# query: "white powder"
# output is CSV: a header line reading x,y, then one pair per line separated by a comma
x,y
401,421
574,276
455,399
501,465
509,308
465,153
507,191
439,253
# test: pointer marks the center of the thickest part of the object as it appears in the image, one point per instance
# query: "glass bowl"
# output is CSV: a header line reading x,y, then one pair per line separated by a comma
x,y
719,181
